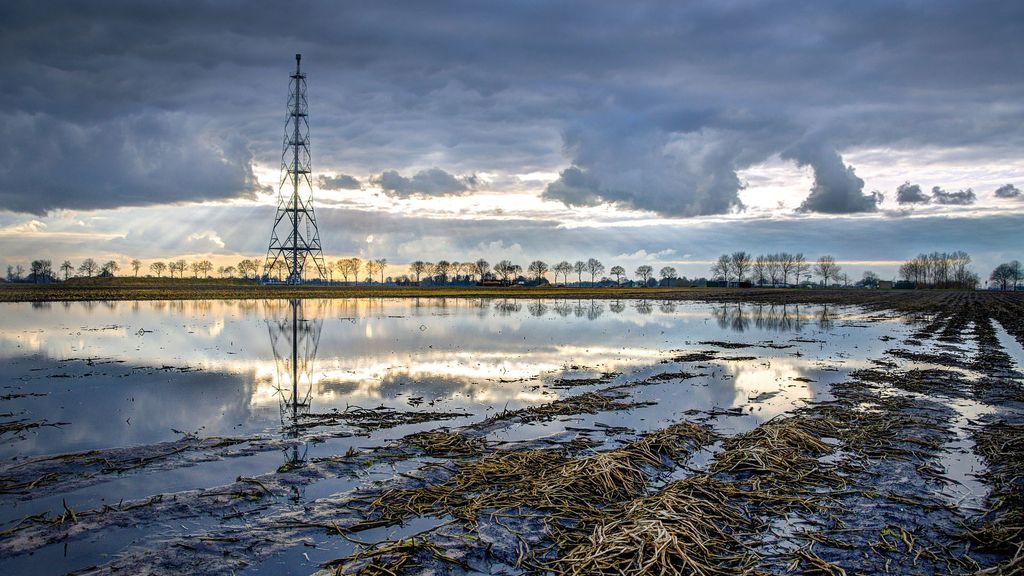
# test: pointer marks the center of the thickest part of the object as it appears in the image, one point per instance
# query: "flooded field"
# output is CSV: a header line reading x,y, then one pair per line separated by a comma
x,y
479,435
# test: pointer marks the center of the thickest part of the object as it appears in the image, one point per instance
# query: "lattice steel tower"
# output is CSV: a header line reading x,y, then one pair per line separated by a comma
x,y
295,195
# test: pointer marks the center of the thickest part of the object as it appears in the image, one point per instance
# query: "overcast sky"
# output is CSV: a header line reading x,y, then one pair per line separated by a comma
x,y
636,132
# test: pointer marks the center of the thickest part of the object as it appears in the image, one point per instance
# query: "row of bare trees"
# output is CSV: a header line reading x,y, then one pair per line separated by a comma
x,y
940,270
772,269
776,269
937,269
42,271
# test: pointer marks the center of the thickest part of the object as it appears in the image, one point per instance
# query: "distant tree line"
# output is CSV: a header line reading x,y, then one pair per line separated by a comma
x,y
769,269
940,270
934,270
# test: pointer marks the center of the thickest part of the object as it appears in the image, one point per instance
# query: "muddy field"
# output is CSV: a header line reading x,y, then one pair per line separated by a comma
x,y
766,432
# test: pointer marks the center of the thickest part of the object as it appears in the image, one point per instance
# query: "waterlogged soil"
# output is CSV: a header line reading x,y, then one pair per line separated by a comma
x,y
452,436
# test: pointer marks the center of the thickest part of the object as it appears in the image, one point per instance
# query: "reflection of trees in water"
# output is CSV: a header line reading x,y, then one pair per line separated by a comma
x,y
731,317
537,308
507,307
776,317
590,309
294,339
667,306
617,306
563,308
825,317
643,307
482,305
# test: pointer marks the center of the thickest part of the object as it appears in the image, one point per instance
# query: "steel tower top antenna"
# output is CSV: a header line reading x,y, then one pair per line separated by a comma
x,y
295,221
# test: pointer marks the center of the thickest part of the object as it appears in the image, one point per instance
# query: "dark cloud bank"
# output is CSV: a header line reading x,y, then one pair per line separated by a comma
x,y
652,105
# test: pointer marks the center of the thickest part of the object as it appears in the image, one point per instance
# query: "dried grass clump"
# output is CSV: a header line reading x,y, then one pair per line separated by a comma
x,y
1002,443
445,444
547,480
606,400
783,451
688,527
672,443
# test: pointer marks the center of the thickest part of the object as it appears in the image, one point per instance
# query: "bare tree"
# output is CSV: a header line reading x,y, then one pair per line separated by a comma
x,y
760,269
249,266
158,268
441,270
645,273
67,268
667,273
595,267
787,263
579,268
109,268
136,264
722,268
504,269
481,267
800,267
618,272
563,268
349,268
41,271
382,264
740,262
1016,271
869,280
417,269
279,268
538,268
826,268
773,267
88,267
1002,275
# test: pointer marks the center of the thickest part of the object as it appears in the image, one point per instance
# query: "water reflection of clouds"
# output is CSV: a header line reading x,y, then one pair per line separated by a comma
x,y
777,375
221,335
472,354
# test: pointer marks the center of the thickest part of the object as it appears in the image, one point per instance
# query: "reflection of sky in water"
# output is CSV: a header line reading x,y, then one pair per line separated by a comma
x,y
113,369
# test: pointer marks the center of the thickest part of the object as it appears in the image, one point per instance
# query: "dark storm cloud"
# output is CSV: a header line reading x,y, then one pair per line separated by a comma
x,y
837,189
690,174
1008,191
908,193
339,182
658,104
960,198
430,182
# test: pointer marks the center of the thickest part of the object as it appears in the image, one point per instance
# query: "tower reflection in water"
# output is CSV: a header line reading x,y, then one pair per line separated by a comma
x,y
294,337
